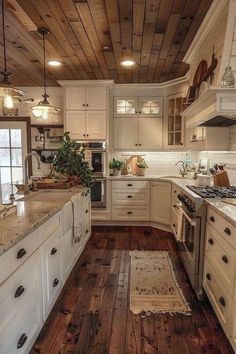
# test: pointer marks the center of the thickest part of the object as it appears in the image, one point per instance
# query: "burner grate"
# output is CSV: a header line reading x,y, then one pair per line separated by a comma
x,y
214,192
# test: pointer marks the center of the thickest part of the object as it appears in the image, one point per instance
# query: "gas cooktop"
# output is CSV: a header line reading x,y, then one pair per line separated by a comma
x,y
214,192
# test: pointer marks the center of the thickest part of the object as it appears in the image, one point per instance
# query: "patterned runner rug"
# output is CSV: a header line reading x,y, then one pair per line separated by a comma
x,y
154,288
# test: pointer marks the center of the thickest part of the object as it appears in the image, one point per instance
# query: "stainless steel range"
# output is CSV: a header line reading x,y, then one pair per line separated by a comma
x,y
191,210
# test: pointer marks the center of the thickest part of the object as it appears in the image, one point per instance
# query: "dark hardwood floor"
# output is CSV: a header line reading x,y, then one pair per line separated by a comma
x,y
92,314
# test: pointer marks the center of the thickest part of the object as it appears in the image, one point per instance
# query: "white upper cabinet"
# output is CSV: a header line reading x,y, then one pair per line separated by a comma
x,y
96,98
81,98
75,123
75,98
126,133
131,106
150,133
96,125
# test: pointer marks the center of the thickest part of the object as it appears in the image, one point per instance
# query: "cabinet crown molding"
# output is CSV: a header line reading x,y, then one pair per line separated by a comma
x,y
79,83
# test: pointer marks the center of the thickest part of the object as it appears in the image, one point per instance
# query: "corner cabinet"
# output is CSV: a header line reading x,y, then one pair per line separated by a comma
x,y
133,106
161,202
175,130
86,112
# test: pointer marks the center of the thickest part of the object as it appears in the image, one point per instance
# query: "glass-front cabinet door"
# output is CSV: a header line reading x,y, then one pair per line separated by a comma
x,y
175,122
150,106
125,106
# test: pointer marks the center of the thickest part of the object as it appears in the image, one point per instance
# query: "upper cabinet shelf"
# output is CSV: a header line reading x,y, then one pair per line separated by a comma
x,y
133,106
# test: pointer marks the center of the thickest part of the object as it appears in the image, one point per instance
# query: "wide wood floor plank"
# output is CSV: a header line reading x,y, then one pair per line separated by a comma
x,y
92,314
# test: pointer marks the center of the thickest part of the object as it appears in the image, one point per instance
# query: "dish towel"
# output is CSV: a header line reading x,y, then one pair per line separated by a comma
x,y
77,228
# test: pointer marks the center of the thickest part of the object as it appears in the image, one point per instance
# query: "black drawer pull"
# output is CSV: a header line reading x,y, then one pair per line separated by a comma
x,y
208,276
53,251
222,301
19,291
129,196
173,225
55,282
86,211
212,218
129,212
211,241
21,341
227,231
21,253
129,185
225,259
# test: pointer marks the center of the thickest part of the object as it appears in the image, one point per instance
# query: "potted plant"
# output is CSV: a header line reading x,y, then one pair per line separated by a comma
x,y
142,165
70,161
116,165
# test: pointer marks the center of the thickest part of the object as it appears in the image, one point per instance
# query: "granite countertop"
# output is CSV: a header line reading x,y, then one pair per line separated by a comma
x,y
30,215
227,211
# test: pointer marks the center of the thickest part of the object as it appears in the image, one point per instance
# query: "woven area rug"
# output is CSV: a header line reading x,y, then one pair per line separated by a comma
x,y
154,288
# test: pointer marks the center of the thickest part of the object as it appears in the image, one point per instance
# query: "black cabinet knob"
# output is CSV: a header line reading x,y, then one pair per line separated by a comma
x,y
87,104
224,259
21,253
139,144
53,251
86,211
136,144
212,219
21,341
83,134
19,291
227,231
86,231
55,282
208,276
173,225
211,241
222,301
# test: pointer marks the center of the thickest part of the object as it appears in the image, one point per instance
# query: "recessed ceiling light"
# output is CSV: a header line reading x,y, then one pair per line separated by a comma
x,y
54,63
128,62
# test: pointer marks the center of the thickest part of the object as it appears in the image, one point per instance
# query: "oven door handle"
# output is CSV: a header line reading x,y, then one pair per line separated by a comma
x,y
191,221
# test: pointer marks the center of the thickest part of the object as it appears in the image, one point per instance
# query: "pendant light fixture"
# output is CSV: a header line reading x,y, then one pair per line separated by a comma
x,y
7,91
41,110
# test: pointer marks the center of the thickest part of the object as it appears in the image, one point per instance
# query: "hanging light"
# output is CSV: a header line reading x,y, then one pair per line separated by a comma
x,y
42,109
7,91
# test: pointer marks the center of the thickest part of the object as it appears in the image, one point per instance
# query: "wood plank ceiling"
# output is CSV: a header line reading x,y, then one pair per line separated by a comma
x,y
92,37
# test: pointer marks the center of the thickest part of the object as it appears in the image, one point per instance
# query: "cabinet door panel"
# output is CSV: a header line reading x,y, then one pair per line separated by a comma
x,y
125,106
151,106
161,202
75,124
150,133
126,133
96,125
75,98
96,98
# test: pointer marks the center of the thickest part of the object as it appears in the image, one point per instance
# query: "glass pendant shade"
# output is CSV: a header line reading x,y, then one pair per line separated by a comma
x,y
41,110
8,102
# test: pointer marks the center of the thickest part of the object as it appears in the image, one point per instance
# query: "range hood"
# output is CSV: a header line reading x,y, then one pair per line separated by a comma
x,y
216,107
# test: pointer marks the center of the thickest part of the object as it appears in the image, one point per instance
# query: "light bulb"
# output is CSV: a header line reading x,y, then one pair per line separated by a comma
x,y
8,102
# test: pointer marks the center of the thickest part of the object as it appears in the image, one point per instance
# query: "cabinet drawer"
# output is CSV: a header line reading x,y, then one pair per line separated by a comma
x,y
18,336
130,184
218,295
19,286
130,213
130,197
225,228
222,257
14,257
51,265
50,226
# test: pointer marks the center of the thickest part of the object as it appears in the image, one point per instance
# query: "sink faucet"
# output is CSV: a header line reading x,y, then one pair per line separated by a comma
x,y
26,179
183,170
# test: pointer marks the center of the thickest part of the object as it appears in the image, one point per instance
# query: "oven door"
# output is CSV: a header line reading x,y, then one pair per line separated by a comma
x,y
98,163
189,246
98,193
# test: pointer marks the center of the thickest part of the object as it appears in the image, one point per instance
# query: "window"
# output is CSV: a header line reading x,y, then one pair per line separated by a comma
x,y
11,160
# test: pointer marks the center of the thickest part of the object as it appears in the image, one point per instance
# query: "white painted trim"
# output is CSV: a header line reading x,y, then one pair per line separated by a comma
x,y
212,16
74,83
132,223
154,85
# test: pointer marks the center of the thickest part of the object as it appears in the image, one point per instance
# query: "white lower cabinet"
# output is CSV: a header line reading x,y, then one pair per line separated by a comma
x,y
51,271
67,260
161,202
219,278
